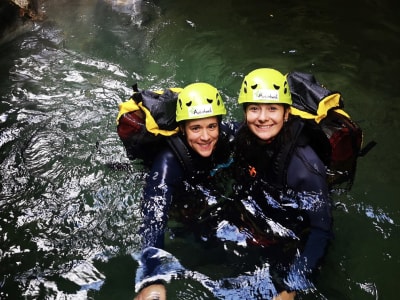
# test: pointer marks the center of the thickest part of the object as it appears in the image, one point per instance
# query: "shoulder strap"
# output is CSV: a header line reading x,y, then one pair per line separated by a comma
x,y
283,156
182,152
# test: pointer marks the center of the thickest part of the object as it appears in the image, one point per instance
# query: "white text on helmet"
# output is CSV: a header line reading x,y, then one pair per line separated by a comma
x,y
200,110
266,94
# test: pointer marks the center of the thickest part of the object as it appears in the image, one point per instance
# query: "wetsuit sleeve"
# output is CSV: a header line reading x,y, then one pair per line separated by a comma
x,y
307,174
165,176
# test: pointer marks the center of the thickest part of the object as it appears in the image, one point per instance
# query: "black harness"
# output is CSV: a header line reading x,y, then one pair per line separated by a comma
x,y
181,151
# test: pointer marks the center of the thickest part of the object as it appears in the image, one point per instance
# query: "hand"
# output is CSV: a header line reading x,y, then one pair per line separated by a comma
x,y
152,292
285,296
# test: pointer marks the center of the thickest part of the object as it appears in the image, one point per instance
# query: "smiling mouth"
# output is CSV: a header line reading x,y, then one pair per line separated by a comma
x,y
264,126
205,145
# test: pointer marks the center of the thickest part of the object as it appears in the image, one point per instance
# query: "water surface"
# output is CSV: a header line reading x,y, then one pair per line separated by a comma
x,y
68,221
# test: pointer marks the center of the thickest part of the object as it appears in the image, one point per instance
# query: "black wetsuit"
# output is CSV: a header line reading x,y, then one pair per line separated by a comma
x,y
167,184
295,197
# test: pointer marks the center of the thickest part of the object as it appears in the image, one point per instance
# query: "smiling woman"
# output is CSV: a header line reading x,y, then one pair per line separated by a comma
x,y
198,106
271,135
266,120
202,135
166,186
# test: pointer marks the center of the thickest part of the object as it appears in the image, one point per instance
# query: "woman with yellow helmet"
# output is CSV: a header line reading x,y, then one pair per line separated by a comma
x,y
281,174
205,141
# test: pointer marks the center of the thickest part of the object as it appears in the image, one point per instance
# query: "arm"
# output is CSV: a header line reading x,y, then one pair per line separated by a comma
x,y
164,178
307,175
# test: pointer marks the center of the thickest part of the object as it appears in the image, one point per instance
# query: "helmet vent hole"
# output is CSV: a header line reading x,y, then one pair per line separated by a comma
x,y
209,100
254,86
277,87
189,103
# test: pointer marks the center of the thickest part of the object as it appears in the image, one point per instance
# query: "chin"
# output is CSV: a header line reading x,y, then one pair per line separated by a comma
x,y
204,153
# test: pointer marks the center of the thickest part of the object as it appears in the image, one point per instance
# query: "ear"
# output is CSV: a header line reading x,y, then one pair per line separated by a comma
x,y
286,114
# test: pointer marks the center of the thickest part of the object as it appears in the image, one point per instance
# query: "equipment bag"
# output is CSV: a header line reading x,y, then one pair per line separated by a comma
x,y
145,120
322,110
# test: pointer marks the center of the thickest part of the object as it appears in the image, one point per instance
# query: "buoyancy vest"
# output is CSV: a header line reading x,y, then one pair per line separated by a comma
x,y
270,162
264,181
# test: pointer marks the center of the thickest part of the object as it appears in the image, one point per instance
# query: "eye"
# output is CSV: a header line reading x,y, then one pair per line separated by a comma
x,y
194,128
213,126
253,108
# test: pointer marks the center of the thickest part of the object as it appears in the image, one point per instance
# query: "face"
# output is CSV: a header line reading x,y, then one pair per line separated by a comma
x,y
266,120
202,135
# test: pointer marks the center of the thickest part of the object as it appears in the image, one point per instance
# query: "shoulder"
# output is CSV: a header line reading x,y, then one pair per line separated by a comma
x,y
307,153
165,176
305,157
166,162
306,171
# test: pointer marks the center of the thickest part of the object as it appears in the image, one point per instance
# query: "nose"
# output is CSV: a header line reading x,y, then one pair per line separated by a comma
x,y
263,115
204,135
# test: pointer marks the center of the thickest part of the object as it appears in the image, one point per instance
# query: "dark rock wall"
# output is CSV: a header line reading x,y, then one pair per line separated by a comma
x,y
14,13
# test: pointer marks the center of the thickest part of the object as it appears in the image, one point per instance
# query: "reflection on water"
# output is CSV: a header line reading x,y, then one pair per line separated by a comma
x,y
69,199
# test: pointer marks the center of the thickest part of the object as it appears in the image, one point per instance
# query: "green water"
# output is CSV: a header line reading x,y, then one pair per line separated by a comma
x,y
68,222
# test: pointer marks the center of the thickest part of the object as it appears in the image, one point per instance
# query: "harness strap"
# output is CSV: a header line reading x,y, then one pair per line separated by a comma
x,y
182,152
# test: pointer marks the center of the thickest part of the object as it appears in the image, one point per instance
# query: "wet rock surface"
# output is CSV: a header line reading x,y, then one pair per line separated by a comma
x,y
14,13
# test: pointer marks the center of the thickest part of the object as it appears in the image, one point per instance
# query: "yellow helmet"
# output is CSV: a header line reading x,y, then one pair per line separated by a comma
x,y
199,100
265,86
